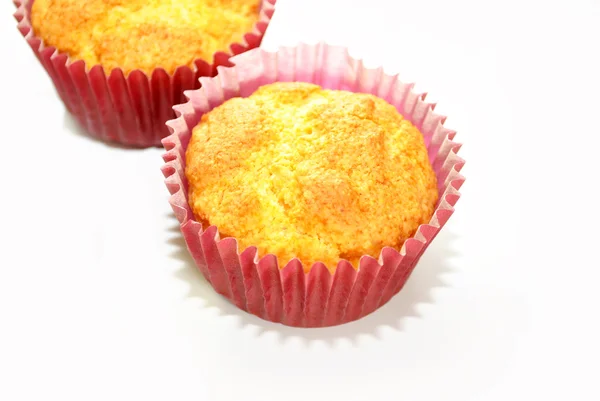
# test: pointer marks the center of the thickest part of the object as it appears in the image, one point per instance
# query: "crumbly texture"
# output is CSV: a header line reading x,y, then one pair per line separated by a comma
x,y
321,175
143,34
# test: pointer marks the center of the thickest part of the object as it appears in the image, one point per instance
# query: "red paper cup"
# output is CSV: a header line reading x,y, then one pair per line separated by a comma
x,y
130,109
262,285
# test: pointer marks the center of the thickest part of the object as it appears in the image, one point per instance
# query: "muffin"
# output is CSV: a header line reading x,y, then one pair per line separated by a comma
x,y
318,175
120,65
310,202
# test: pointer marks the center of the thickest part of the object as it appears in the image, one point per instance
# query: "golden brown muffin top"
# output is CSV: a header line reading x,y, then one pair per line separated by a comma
x,y
316,174
143,34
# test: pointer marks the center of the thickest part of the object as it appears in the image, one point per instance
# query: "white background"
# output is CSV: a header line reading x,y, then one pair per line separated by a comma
x,y
99,299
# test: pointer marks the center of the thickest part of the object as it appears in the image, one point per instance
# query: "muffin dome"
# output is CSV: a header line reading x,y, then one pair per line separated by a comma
x,y
143,34
321,175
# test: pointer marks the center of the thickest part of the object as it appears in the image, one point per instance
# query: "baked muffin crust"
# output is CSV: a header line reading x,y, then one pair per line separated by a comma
x,y
143,34
316,174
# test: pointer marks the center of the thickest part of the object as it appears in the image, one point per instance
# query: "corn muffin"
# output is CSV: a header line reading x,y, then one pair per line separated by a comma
x,y
321,175
143,34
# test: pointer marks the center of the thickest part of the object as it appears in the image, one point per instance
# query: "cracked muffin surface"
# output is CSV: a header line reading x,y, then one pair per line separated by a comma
x,y
143,34
321,175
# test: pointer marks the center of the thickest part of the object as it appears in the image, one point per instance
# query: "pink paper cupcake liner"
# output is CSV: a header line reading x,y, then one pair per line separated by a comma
x,y
130,109
285,293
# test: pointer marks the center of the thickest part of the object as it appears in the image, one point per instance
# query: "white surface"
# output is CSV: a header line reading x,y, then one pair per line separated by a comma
x,y
99,299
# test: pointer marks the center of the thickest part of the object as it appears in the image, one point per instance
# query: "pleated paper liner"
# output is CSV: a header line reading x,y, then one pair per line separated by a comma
x,y
280,290
130,109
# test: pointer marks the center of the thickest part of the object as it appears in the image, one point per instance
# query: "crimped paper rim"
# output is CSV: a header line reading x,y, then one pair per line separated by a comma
x,y
178,199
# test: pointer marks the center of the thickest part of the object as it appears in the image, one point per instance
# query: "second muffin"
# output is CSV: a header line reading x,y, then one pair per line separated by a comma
x,y
119,66
314,174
